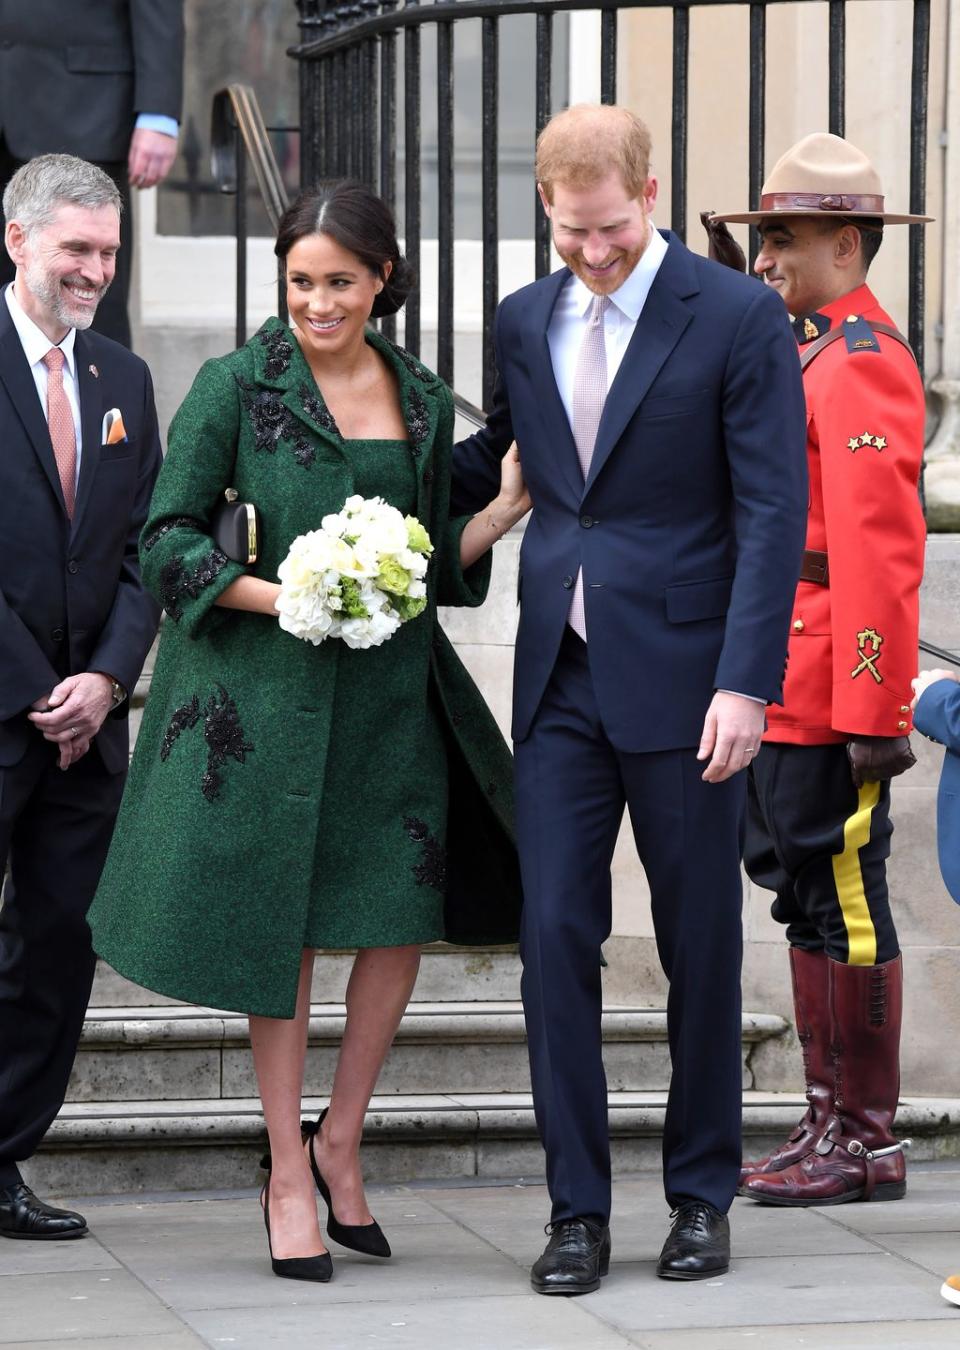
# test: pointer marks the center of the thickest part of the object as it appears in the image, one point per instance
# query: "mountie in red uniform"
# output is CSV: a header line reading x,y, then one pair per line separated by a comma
x,y
814,837
853,641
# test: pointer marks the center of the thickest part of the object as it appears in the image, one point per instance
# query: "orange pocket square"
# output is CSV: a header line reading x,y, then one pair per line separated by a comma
x,y
117,432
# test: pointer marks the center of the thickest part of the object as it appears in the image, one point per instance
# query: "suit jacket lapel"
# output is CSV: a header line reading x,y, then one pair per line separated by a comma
x,y
560,444
91,422
18,379
662,321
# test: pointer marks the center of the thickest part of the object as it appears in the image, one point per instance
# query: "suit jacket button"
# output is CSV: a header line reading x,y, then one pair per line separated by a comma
x,y
73,567
567,583
798,625
587,522
57,635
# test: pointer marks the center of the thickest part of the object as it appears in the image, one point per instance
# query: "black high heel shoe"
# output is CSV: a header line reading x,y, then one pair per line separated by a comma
x,y
316,1268
367,1238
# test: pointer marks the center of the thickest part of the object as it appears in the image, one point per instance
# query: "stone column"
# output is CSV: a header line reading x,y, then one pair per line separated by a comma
x,y
942,477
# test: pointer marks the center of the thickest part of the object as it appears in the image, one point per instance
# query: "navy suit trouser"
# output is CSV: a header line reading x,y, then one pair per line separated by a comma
x,y
55,828
572,787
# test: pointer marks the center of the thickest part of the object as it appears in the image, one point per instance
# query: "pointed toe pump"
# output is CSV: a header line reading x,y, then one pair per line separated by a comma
x,y
316,1268
367,1238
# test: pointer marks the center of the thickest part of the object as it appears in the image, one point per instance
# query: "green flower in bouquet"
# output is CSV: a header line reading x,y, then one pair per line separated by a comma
x,y
351,602
417,538
409,606
393,578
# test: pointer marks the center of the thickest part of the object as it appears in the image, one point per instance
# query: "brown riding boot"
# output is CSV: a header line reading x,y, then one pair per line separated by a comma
x,y
811,1002
857,1158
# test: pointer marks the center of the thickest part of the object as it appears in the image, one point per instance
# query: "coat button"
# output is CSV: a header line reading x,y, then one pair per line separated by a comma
x,y
904,707
798,625
587,522
57,635
567,583
428,475
902,726
73,567
456,718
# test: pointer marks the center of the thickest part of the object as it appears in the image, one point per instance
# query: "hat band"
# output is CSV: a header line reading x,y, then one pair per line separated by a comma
x,y
848,204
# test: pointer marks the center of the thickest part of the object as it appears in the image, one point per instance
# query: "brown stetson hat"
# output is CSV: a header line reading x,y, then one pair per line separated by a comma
x,y
822,175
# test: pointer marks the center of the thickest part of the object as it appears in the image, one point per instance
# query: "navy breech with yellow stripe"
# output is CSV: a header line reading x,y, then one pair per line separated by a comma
x,y
821,844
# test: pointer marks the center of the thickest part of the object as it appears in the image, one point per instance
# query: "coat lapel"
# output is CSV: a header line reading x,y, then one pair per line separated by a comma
x,y
91,423
17,377
560,443
662,321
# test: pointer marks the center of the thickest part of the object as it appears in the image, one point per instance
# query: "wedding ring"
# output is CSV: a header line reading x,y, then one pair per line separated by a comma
x,y
73,733
749,749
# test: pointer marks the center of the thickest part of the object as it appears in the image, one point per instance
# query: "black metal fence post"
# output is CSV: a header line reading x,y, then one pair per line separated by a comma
x,y
411,141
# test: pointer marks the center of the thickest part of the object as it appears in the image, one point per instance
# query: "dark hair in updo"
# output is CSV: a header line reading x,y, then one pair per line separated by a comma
x,y
359,221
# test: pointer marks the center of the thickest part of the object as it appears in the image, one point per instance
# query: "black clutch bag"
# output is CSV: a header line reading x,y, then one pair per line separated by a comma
x,y
236,528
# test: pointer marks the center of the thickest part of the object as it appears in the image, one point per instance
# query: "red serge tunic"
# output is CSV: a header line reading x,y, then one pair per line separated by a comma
x,y
853,643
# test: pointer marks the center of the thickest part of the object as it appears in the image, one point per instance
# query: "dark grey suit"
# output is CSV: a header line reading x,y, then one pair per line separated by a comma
x,y
71,600
73,77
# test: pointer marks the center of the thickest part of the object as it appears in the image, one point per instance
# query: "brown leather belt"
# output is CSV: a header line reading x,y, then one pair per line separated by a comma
x,y
815,567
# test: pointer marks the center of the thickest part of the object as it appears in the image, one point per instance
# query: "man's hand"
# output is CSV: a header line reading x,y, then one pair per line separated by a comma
x,y
927,677
151,157
76,708
731,735
721,245
874,759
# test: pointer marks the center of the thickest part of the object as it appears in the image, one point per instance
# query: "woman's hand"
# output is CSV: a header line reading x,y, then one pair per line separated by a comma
x,y
510,505
924,680
514,496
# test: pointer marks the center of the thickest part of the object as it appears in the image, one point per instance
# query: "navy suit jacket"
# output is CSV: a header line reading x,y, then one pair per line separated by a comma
x,y
938,716
71,598
690,526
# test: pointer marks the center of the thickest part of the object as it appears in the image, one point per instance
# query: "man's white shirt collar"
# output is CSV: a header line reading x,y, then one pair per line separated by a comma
x,y
34,340
631,296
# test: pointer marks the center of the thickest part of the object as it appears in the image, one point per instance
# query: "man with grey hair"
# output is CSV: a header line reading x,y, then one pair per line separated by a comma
x,y
80,454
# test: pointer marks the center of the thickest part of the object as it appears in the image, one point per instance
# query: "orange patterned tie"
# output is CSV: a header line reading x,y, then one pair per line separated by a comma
x,y
63,433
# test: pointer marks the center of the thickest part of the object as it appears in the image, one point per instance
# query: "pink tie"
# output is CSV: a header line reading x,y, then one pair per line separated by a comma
x,y
589,396
63,433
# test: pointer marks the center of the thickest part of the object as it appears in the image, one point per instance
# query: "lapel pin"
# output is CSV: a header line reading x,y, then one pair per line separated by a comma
x,y
94,372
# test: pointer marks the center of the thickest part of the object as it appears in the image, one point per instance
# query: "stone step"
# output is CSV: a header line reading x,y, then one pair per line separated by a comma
x,y
110,1148
186,1053
464,974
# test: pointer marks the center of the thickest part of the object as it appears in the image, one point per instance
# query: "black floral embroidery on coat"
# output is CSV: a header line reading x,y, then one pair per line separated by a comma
x,y
184,719
222,732
279,350
176,581
418,421
407,359
273,422
225,740
174,523
431,870
315,408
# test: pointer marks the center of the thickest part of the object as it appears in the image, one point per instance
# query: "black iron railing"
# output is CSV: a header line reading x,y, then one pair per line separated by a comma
x,y
348,108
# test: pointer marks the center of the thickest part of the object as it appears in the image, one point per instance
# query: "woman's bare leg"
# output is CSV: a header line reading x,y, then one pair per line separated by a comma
x,y
378,992
279,1050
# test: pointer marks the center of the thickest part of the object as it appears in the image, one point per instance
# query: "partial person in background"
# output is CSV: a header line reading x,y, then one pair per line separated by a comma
x,y
101,79
80,453
936,714
818,819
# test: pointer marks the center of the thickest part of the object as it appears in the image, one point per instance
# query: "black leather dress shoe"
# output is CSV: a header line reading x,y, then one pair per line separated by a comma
x,y
698,1244
574,1259
22,1215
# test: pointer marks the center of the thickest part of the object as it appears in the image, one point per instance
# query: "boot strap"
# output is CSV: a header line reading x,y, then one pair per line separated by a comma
x,y
856,1148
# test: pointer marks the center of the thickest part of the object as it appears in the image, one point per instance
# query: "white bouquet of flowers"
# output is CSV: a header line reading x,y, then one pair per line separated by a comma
x,y
359,577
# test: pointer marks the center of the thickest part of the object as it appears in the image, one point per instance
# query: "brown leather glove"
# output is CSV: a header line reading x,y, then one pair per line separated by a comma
x,y
873,759
721,245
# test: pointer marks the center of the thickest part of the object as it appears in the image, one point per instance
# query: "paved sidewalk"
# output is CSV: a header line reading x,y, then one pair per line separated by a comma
x,y
180,1272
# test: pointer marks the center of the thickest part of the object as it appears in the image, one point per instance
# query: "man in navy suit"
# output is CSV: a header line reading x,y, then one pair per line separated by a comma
x,y
79,453
657,404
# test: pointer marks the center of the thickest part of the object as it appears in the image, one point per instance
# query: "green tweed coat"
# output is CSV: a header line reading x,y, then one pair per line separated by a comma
x,y
206,892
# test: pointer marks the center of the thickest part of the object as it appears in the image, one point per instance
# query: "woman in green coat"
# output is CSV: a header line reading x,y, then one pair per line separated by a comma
x,y
285,797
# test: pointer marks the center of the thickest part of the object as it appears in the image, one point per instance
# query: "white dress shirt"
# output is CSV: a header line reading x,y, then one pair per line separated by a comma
x,y
36,344
568,323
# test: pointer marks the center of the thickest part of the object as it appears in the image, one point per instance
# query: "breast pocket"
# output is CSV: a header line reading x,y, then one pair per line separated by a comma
x,y
673,405
118,451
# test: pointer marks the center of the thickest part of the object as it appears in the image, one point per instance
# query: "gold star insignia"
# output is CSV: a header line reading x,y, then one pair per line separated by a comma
x,y
880,442
853,443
